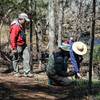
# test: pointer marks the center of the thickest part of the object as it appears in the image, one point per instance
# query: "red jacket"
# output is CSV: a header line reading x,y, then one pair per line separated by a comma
x,y
15,36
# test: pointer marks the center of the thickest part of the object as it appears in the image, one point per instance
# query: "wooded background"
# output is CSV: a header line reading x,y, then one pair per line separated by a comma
x,y
56,20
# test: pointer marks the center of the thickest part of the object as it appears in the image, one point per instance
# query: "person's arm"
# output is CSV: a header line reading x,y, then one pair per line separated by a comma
x,y
13,36
80,59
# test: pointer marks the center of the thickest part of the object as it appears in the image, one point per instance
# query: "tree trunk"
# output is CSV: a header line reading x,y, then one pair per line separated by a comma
x,y
38,30
1,23
51,26
60,19
92,46
30,15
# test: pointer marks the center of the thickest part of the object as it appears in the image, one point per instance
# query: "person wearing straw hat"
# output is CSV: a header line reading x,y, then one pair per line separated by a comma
x,y
56,70
77,50
18,44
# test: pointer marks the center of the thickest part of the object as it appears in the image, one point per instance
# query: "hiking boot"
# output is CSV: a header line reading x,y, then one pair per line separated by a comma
x,y
17,74
28,75
50,82
66,81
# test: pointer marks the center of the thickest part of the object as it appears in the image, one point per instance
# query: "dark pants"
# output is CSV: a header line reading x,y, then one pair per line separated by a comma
x,y
60,80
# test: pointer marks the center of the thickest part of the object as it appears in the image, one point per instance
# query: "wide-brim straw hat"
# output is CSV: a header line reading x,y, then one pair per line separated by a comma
x,y
79,48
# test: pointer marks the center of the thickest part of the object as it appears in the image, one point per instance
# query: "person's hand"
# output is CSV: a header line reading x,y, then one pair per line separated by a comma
x,y
79,76
14,51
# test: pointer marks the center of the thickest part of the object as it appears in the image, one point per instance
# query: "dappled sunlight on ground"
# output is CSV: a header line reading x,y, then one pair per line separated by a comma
x,y
36,88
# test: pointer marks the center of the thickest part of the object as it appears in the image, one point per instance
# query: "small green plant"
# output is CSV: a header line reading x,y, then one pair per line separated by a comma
x,y
97,96
96,55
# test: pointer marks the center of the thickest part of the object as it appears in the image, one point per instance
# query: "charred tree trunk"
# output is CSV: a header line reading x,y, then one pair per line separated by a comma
x,y
91,47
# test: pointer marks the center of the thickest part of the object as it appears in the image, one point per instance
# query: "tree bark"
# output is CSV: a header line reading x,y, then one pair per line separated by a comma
x,y
92,46
51,26
60,19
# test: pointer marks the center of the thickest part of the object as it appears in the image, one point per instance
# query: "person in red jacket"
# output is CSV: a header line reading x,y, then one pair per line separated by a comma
x,y
18,44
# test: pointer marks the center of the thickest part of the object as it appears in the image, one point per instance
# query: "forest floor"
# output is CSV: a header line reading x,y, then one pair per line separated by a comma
x,y
36,88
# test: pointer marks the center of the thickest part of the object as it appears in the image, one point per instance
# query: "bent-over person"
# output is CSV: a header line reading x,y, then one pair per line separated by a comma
x,y
57,67
77,50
